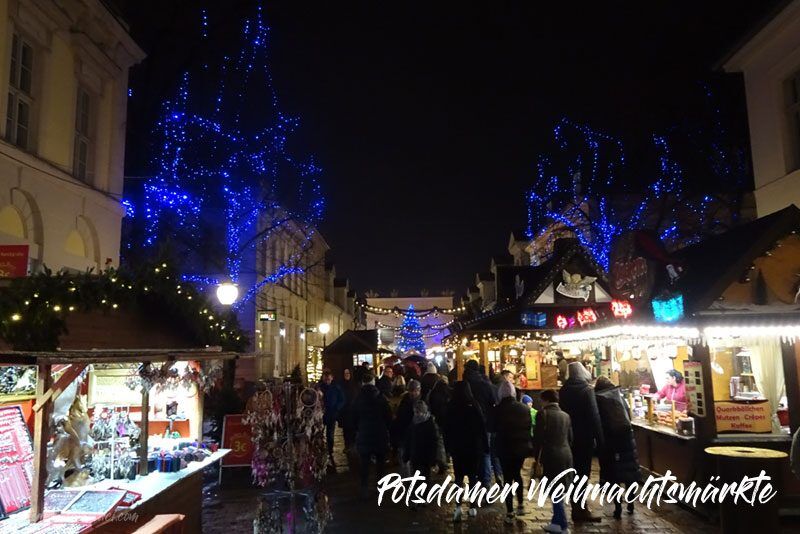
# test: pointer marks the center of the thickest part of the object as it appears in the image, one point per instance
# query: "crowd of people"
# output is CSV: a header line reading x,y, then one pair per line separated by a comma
x,y
486,428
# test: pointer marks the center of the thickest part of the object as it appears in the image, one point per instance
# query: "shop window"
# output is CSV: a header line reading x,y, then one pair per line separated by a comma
x,y
20,93
749,388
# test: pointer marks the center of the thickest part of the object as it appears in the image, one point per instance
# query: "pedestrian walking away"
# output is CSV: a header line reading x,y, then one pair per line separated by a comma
x,y
349,387
372,418
513,428
421,440
465,439
619,461
578,401
552,439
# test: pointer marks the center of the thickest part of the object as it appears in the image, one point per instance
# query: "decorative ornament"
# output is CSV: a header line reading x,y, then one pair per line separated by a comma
x,y
576,286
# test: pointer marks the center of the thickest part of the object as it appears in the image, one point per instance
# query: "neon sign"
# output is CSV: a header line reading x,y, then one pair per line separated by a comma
x,y
586,316
561,321
668,310
621,309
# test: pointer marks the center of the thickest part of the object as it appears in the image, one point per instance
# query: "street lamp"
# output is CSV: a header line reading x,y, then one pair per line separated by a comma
x,y
227,293
324,328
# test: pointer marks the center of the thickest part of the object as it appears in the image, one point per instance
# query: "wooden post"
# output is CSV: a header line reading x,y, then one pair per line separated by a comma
x,y
484,355
41,435
144,432
459,362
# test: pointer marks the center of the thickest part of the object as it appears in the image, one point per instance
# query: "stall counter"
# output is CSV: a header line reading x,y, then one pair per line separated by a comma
x,y
161,493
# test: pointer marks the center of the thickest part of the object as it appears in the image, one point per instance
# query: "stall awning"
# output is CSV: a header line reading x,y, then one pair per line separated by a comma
x,y
117,356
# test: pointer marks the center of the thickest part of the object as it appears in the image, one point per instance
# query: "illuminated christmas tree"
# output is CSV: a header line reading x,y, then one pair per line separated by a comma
x,y
409,336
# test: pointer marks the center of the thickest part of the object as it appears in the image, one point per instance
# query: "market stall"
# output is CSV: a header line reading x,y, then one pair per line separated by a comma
x,y
75,471
722,318
533,303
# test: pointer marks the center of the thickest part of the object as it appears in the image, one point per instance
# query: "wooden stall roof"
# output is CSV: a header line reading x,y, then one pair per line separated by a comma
x,y
118,356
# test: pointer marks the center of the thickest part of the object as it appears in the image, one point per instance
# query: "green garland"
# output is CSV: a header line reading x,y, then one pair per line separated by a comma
x,y
34,310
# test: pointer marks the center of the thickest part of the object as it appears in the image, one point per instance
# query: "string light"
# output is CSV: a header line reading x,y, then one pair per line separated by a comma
x,y
410,334
219,162
574,196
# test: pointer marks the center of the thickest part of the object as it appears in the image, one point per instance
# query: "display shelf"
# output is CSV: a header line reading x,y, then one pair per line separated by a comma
x,y
6,399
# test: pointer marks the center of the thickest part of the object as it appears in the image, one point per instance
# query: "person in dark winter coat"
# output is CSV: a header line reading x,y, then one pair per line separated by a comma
x,y
465,439
403,417
350,388
578,400
333,401
513,426
429,379
619,462
421,441
552,439
485,398
372,418
385,382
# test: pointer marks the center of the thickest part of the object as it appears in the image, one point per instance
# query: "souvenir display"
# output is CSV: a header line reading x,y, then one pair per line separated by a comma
x,y
289,436
290,450
100,502
16,380
56,501
16,456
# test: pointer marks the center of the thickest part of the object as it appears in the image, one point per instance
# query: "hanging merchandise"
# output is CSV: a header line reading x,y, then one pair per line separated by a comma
x,y
290,452
168,377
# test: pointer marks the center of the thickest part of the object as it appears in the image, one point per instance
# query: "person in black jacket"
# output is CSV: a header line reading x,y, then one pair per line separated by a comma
x,y
384,383
513,426
403,419
333,401
420,441
551,446
372,418
350,388
465,439
619,462
486,399
578,400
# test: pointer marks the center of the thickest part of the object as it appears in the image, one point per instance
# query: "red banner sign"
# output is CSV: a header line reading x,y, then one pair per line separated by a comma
x,y
237,437
13,261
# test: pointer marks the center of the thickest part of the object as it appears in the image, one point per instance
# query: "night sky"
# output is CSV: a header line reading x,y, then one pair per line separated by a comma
x,y
428,116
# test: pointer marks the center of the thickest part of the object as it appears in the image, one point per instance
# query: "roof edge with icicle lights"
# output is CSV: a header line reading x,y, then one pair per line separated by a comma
x,y
118,356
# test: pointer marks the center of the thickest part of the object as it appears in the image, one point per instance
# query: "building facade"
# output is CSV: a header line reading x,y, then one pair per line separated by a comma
x,y
64,71
289,313
769,59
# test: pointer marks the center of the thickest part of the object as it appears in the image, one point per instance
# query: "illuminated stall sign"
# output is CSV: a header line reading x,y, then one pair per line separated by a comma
x,y
537,319
562,322
586,316
668,310
621,309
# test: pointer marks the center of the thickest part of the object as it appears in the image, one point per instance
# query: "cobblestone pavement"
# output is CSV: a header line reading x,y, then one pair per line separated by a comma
x,y
232,509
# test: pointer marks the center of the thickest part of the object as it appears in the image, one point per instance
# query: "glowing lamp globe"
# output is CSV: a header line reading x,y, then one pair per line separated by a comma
x,y
324,328
227,293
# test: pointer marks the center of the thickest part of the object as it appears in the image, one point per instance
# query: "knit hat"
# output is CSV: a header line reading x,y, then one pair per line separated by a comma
x,y
413,385
431,369
506,389
526,399
577,371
